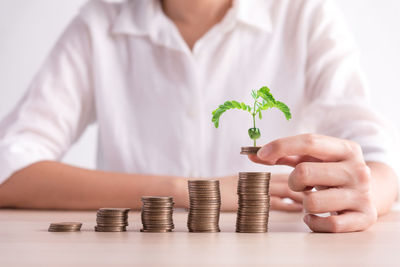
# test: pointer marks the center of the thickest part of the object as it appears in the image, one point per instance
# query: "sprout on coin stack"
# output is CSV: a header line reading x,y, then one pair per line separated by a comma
x,y
253,187
205,204
263,100
112,220
157,214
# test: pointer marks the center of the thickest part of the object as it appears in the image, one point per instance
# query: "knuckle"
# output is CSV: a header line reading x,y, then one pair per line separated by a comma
x,y
310,139
302,171
299,176
348,147
352,148
363,174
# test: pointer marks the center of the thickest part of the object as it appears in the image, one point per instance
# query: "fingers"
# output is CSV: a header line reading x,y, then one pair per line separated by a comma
x,y
288,160
282,190
294,160
345,222
324,148
331,200
254,158
311,174
278,204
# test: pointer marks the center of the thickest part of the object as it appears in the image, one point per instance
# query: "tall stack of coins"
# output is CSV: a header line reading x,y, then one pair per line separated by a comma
x,y
254,202
205,204
157,214
65,227
112,220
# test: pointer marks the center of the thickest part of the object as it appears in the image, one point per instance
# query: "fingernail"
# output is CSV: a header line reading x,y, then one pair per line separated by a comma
x,y
264,152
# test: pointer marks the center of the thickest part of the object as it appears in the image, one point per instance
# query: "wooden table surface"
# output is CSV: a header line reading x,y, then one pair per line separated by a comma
x,y
24,241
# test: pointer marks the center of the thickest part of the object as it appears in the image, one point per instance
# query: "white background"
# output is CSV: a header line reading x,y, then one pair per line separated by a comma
x,y
29,28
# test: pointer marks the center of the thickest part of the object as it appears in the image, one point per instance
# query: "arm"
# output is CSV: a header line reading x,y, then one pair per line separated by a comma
x,y
53,185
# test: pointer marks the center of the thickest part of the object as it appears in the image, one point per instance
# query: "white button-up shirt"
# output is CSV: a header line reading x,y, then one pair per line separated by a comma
x,y
126,67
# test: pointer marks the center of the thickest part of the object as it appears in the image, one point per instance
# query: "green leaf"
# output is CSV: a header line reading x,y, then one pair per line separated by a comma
x,y
216,114
265,105
264,93
285,109
236,104
259,115
270,102
254,94
228,104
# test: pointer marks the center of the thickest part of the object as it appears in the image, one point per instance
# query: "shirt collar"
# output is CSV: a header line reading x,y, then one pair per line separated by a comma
x,y
139,17
255,13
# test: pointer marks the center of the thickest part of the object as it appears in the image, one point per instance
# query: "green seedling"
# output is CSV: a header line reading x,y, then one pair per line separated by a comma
x,y
263,100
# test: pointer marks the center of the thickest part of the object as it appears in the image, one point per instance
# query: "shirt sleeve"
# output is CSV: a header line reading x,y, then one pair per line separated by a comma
x,y
56,108
337,97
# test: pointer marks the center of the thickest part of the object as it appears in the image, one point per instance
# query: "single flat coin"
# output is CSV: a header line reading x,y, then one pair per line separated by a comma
x,y
248,150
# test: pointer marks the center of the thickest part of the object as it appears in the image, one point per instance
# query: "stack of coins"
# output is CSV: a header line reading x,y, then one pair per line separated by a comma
x,y
112,220
65,227
254,202
247,150
205,204
157,214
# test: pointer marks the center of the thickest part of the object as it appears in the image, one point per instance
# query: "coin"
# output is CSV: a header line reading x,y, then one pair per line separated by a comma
x,y
253,201
111,219
204,207
65,227
156,230
110,228
248,150
157,214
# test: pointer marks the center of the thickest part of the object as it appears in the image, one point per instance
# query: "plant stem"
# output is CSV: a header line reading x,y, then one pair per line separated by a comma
x,y
254,119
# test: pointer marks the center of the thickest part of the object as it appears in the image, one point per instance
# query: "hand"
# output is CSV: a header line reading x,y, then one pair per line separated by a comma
x,y
336,168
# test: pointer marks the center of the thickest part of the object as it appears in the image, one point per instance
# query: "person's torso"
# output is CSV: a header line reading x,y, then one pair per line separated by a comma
x,y
154,97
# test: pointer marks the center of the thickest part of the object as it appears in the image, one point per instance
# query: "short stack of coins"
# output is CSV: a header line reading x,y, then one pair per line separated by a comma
x,y
65,227
157,214
254,202
205,205
112,220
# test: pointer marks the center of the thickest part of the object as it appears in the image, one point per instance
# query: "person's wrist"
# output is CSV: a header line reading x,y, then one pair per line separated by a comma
x,y
179,191
384,186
